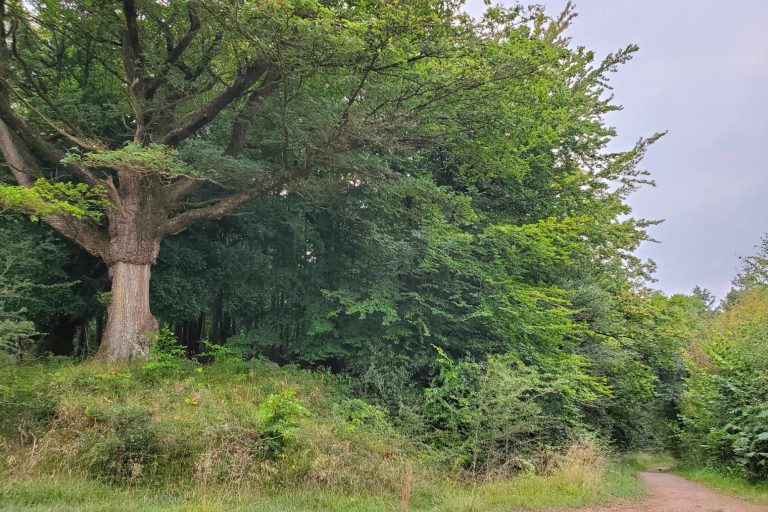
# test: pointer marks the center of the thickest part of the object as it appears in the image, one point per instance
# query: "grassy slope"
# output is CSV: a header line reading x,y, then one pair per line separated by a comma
x,y
236,437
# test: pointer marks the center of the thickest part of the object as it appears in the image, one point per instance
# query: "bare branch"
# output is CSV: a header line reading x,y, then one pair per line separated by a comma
x,y
175,51
192,74
41,147
353,97
225,205
245,115
208,112
186,40
133,58
176,190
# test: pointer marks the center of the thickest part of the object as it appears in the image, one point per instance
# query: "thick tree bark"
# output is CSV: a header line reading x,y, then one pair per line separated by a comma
x,y
133,247
130,324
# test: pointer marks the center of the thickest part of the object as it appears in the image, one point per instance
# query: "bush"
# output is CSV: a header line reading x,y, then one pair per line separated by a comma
x,y
280,414
125,448
25,400
494,418
746,438
166,358
724,411
16,335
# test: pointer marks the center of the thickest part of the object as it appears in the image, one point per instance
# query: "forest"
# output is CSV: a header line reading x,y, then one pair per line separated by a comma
x,y
324,252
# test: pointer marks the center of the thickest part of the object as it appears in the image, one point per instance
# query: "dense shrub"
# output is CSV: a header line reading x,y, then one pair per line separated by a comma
x,y
25,400
124,446
496,418
725,413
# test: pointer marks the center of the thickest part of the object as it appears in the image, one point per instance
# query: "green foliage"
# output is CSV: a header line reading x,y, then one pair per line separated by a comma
x,y
640,355
16,335
152,158
125,448
26,399
249,424
280,416
221,353
754,271
76,200
41,285
494,417
748,438
110,439
724,414
425,181
361,414
167,357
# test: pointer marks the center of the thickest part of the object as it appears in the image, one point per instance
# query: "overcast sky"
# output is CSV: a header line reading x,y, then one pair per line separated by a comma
x,y
702,74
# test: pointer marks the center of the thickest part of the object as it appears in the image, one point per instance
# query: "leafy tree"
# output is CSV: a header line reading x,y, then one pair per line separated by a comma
x,y
355,185
642,361
493,416
38,286
724,410
752,274
183,111
724,413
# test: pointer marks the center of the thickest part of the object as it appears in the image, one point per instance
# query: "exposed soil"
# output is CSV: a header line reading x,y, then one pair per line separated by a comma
x,y
671,493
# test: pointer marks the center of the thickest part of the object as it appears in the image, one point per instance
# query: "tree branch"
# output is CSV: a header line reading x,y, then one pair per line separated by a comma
x,y
223,206
175,52
245,115
134,63
38,88
25,170
41,147
133,58
176,190
207,113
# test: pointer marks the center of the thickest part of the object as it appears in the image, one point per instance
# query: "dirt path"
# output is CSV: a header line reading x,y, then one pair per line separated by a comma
x,y
671,493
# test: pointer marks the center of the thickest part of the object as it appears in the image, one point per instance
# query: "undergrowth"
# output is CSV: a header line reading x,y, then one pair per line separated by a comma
x,y
232,434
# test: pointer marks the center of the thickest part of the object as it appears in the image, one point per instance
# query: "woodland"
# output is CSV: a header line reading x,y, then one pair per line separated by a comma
x,y
365,247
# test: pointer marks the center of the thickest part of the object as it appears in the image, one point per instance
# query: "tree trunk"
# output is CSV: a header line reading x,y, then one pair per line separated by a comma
x,y
130,324
134,243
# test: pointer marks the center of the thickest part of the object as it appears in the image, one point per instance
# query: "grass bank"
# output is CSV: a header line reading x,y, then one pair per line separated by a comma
x,y
244,436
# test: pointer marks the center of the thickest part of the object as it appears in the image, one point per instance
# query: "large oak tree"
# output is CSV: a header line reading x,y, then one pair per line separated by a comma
x,y
178,111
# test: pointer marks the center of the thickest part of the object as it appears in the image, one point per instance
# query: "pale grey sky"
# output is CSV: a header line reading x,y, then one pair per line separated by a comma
x,y
702,74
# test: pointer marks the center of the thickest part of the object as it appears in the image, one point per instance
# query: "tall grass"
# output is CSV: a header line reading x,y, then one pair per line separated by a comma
x,y
244,436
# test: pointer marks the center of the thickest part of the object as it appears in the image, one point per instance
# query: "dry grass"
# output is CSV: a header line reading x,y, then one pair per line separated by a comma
x,y
584,462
